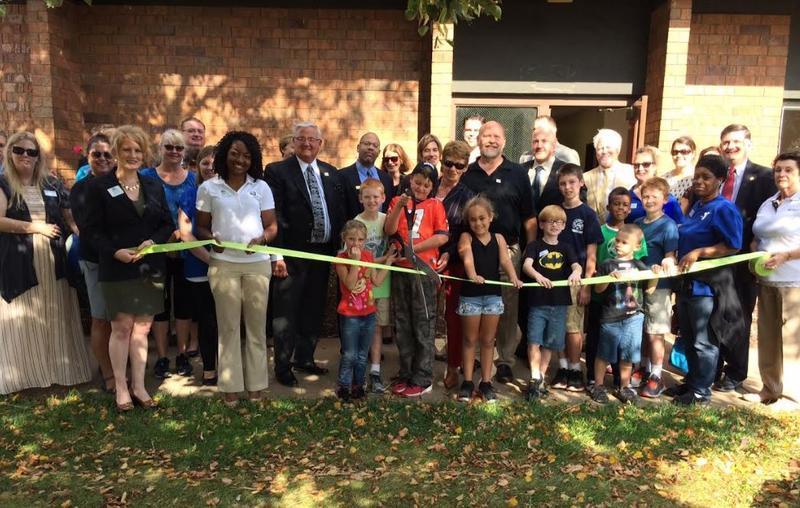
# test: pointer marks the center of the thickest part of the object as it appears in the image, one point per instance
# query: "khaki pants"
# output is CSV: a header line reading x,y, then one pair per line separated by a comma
x,y
241,289
778,337
508,332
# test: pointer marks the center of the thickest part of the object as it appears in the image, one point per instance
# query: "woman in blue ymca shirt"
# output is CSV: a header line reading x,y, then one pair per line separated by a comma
x,y
712,229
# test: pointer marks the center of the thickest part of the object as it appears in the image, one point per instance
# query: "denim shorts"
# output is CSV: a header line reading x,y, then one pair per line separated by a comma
x,y
621,341
547,325
491,305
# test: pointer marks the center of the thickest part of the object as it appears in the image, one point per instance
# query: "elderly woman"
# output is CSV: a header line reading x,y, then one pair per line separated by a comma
x,y
238,206
709,312
179,189
127,212
453,195
395,161
101,162
776,231
429,149
608,174
41,340
645,167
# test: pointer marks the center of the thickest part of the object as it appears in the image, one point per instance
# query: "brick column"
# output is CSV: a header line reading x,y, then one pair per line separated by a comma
x,y
56,104
441,115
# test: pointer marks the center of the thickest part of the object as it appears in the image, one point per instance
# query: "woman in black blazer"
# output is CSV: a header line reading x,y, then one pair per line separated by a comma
x,y
125,213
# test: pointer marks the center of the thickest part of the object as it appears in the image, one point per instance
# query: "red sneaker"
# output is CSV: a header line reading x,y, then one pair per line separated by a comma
x,y
417,391
399,387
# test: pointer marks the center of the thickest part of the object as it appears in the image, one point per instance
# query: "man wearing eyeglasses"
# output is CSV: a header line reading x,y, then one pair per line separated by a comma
x,y
748,185
194,132
368,148
310,209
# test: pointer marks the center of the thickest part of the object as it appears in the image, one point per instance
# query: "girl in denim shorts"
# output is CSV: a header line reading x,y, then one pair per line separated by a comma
x,y
480,304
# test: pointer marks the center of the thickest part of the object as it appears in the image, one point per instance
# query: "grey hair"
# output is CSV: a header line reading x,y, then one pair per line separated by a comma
x,y
306,125
610,137
172,137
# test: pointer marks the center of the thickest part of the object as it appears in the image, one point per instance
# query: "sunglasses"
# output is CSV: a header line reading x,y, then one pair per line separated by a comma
x,y
105,155
645,165
30,152
171,148
393,160
450,164
681,152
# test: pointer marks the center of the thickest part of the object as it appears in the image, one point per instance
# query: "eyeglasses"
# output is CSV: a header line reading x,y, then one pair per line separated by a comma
x,y
176,148
194,131
685,151
303,139
553,222
645,165
106,155
30,152
450,164
393,160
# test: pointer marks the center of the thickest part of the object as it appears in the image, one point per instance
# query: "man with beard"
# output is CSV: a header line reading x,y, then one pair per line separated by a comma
x,y
368,148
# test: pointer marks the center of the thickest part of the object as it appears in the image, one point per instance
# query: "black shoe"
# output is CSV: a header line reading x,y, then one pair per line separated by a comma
x,y
599,394
465,393
627,395
504,374
161,368
487,392
210,381
575,381
653,388
194,353
677,390
343,392
286,379
726,384
560,379
310,368
534,392
690,399
182,366
357,392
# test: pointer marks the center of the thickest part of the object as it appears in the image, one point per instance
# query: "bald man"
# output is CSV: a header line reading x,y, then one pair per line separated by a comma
x,y
368,148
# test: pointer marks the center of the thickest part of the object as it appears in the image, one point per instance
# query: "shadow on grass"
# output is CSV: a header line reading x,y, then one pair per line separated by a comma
x,y
297,452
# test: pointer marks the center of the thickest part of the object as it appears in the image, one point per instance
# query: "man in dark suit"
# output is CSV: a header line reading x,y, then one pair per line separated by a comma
x,y
309,204
748,185
369,146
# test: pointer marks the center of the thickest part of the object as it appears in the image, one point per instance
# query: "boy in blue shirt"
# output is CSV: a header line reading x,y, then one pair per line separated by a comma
x,y
582,232
661,235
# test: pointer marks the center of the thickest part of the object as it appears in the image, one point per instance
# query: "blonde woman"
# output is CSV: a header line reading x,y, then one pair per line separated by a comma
x,y
42,340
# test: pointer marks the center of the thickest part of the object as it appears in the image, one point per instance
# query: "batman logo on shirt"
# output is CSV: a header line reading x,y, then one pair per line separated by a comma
x,y
552,261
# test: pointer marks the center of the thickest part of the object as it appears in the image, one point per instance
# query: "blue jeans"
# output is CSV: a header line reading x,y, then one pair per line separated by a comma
x,y
621,341
702,350
356,335
547,325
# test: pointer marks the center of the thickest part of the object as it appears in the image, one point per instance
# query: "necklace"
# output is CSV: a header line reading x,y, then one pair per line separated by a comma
x,y
130,188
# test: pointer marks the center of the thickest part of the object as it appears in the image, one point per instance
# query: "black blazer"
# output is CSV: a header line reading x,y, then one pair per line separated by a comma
x,y
293,204
351,185
111,223
757,186
550,194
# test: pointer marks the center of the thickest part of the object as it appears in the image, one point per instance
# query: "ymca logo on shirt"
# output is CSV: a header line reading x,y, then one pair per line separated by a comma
x,y
577,226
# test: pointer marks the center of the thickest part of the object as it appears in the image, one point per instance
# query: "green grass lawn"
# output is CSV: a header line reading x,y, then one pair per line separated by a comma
x,y
76,451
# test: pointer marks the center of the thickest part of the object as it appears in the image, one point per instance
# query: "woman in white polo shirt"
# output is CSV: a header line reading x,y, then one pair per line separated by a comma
x,y
775,231
238,207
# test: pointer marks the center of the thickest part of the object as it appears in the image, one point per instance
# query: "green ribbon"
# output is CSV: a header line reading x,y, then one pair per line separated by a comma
x,y
757,258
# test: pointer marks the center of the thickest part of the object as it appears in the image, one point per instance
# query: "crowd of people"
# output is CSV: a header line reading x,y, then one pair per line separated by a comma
x,y
464,210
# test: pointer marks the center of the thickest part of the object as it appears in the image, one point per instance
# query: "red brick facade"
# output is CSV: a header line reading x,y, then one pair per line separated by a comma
x,y
708,70
257,69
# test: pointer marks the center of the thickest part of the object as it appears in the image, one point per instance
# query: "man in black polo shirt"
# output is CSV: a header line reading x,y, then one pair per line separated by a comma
x,y
506,185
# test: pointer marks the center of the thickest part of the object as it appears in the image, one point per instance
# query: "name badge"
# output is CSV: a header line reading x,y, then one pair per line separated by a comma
x,y
498,180
50,193
634,206
115,191
543,253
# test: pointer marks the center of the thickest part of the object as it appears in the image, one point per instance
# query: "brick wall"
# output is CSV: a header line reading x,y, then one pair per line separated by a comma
x,y
706,71
15,70
254,69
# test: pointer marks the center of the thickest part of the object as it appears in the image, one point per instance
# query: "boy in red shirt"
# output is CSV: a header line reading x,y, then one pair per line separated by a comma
x,y
414,296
